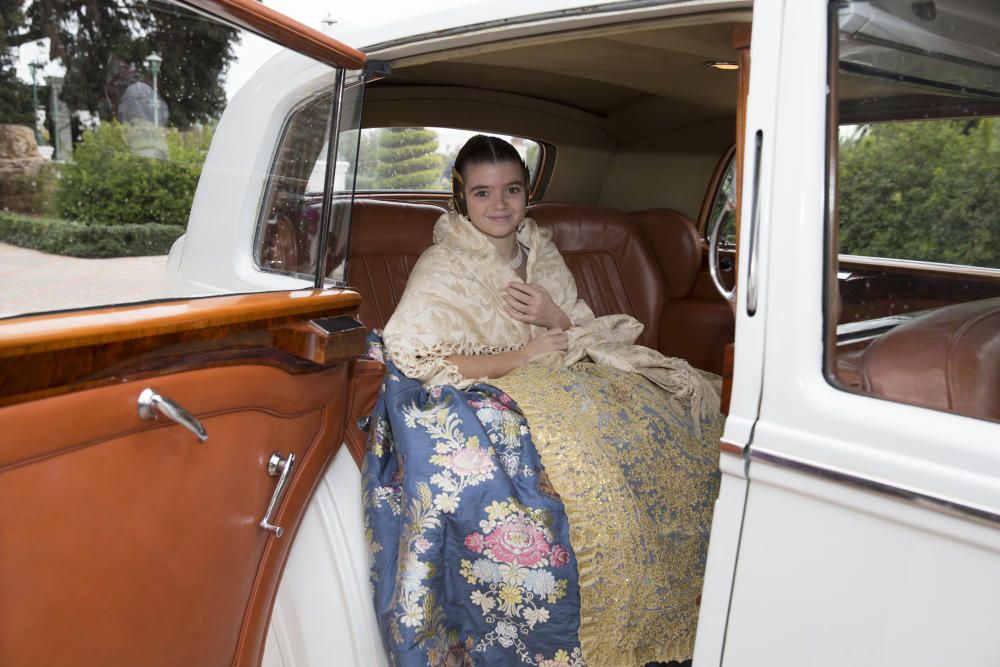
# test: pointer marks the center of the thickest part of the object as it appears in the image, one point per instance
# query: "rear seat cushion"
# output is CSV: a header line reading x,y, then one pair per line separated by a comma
x,y
614,270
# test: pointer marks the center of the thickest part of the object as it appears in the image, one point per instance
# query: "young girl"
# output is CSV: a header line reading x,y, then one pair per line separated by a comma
x,y
627,440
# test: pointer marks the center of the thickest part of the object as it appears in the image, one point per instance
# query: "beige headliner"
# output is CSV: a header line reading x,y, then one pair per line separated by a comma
x,y
613,100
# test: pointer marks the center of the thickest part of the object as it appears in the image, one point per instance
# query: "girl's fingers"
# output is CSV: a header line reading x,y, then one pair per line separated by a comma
x,y
524,288
515,303
516,315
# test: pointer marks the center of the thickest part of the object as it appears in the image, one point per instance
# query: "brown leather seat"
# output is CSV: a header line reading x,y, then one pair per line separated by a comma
x,y
696,324
615,271
387,238
948,359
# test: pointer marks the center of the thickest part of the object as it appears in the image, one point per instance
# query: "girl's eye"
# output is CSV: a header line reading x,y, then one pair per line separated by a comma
x,y
514,189
480,193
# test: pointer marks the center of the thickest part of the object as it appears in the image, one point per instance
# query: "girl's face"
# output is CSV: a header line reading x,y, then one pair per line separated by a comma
x,y
496,197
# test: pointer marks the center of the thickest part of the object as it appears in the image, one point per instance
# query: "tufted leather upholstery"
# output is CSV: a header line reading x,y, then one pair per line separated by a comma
x,y
614,270
387,238
948,359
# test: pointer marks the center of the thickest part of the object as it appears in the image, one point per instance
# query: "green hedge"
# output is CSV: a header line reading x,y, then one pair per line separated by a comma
x,y
78,239
132,175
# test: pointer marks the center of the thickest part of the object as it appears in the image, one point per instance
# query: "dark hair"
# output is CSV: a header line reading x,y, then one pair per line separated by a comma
x,y
481,149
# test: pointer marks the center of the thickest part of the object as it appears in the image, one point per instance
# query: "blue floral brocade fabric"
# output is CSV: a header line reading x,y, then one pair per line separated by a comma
x,y
471,562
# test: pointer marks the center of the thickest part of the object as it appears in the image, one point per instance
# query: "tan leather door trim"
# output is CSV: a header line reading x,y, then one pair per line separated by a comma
x,y
127,542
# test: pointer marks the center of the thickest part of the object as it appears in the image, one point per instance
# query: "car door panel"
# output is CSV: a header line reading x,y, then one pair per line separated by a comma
x,y
128,541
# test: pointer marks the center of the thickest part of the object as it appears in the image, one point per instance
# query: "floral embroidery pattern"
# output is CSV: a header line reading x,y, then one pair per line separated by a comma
x,y
461,463
466,463
513,579
562,659
505,429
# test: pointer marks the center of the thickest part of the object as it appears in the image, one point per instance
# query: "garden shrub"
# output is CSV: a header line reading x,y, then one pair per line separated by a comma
x,y
923,190
108,184
79,239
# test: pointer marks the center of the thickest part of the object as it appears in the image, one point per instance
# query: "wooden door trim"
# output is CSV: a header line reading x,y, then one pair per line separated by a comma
x,y
266,22
53,354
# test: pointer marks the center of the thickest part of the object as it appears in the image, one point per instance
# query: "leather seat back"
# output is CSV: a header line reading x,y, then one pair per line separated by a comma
x,y
675,244
387,238
697,323
615,271
948,359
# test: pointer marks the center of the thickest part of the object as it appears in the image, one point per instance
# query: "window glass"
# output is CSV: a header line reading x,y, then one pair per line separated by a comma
x,y
420,158
105,142
922,190
725,193
915,231
288,235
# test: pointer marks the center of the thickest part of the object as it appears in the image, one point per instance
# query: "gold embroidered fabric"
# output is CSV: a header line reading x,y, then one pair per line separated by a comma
x,y
639,485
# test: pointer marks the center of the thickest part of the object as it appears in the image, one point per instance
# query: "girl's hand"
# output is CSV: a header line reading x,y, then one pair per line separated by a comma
x,y
531,303
551,340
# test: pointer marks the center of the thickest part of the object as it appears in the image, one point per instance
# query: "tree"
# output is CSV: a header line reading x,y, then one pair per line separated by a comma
x,y
923,190
102,44
407,159
15,96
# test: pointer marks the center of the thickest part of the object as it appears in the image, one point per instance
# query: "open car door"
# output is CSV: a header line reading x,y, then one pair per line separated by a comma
x,y
156,458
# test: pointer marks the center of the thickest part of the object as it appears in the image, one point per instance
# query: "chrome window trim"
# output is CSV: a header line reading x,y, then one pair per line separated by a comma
x,y
890,263
912,496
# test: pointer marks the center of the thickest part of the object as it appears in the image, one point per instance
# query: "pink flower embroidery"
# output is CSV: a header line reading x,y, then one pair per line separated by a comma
x,y
517,541
422,544
474,542
559,556
471,461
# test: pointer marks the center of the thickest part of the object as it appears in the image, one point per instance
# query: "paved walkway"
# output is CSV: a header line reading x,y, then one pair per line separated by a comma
x,y
32,281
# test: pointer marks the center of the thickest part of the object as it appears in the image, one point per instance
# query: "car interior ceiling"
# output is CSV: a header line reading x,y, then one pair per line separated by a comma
x,y
634,99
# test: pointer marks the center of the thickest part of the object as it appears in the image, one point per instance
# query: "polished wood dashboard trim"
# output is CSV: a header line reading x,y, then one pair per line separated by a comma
x,y
54,354
257,18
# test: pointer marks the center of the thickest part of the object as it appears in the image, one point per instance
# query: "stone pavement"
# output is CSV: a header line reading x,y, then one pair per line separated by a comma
x,y
32,281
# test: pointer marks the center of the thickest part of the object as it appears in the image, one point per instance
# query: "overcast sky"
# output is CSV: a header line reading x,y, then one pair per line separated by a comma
x,y
253,51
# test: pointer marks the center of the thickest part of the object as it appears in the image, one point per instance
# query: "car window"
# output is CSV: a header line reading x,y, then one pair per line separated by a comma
x,y
407,159
725,192
915,233
106,136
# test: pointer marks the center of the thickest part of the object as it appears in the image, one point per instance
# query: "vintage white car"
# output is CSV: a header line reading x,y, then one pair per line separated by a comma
x,y
851,302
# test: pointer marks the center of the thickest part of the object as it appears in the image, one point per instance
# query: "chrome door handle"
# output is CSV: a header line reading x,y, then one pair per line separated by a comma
x,y
152,405
754,250
277,466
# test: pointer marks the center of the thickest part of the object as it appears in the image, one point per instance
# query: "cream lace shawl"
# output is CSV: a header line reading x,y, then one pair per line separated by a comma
x,y
452,305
